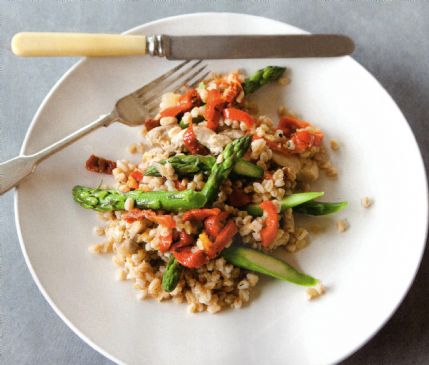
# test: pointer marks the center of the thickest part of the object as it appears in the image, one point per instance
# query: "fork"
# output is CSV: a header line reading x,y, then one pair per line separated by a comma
x,y
131,110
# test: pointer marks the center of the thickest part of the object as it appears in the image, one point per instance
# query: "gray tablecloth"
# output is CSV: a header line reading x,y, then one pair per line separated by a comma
x,y
392,43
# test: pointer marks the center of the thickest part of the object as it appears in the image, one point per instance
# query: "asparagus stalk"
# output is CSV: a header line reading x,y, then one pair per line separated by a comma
x,y
192,164
320,208
106,200
286,203
262,77
171,275
185,164
230,155
258,261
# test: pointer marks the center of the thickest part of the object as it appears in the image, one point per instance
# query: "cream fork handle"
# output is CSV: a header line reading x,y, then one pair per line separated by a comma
x,y
16,169
77,44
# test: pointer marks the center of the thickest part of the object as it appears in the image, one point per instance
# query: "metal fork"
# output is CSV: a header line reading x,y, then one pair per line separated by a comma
x,y
131,110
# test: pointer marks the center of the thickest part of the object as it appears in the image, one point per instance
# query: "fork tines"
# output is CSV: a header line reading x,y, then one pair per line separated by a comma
x,y
187,73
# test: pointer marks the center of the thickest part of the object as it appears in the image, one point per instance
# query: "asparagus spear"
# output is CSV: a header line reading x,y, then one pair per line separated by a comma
x,y
185,164
171,275
106,200
262,77
288,202
320,208
191,164
220,171
258,261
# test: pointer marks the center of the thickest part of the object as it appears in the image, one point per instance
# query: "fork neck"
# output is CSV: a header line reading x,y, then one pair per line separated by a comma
x,y
102,121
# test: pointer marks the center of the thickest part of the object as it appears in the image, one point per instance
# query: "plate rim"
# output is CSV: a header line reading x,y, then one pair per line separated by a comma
x,y
67,74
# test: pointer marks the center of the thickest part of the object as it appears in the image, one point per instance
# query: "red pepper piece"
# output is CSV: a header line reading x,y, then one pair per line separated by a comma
x,y
237,114
184,240
191,258
223,238
213,109
137,175
100,165
231,92
151,124
290,124
269,232
200,214
186,102
173,111
214,224
137,214
305,139
166,241
190,96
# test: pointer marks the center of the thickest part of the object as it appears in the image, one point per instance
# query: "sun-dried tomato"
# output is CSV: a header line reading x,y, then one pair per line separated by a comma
x,y
100,165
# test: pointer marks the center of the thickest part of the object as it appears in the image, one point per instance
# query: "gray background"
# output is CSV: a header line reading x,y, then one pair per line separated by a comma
x,y
392,44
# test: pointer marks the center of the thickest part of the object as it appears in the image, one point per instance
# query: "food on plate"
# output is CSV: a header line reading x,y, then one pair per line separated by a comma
x,y
213,195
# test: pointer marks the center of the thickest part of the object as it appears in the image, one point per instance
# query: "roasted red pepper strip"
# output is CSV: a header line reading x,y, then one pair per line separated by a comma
x,y
290,124
238,198
237,114
190,96
191,258
184,240
213,109
151,124
214,224
166,241
200,214
192,144
231,92
186,102
223,238
100,165
175,110
269,232
137,175
305,139
137,214
164,220
132,183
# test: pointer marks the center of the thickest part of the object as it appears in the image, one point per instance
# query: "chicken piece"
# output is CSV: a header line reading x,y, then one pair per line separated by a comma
x,y
289,161
309,172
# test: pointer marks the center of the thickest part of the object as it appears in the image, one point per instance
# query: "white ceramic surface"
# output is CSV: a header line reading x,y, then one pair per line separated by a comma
x,y
367,270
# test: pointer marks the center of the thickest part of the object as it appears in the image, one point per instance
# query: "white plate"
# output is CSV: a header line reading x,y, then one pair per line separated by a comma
x,y
367,270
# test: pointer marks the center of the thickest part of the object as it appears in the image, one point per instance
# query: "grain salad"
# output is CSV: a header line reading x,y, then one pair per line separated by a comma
x,y
212,193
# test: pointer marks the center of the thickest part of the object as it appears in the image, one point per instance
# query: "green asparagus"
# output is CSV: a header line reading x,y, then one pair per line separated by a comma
x,y
258,261
247,169
262,77
320,208
288,202
191,164
171,275
230,155
106,200
185,165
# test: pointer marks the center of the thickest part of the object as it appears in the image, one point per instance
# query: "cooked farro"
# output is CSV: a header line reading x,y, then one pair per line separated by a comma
x,y
280,162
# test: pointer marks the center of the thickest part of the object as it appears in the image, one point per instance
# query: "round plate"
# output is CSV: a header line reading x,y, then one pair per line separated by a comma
x,y
367,269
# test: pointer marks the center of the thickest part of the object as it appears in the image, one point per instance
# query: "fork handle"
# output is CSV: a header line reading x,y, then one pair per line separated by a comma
x,y
77,44
16,169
